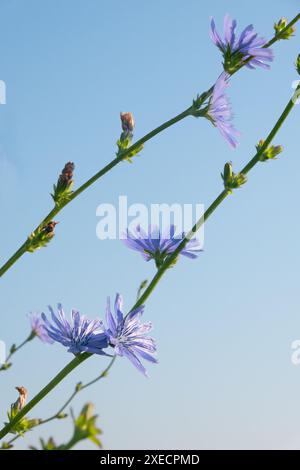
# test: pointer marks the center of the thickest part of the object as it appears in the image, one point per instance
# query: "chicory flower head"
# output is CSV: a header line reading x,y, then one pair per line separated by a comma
x,y
38,328
79,335
128,335
157,246
219,111
239,50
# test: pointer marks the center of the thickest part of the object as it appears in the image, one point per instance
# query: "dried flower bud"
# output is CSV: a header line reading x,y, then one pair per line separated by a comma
x,y
21,401
279,27
127,122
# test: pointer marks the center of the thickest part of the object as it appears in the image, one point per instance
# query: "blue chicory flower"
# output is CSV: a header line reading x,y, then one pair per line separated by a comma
x,y
219,111
237,50
38,328
128,335
80,335
155,245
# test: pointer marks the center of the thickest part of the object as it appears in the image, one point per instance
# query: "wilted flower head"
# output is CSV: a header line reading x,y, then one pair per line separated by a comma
x,y
219,111
246,49
81,334
127,121
38,327
157,246
128,335
21,401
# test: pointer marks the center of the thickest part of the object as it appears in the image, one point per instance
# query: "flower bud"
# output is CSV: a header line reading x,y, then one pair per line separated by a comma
x,y
297,64
232,180
124,142
280,26
78,386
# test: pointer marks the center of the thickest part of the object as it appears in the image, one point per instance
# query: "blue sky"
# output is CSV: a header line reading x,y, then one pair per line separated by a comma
x,y
224,323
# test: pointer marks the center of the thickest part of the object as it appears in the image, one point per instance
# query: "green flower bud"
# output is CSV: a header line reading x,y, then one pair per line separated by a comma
x,y
232,180
297,64
270,153
6,366
78,386
279,29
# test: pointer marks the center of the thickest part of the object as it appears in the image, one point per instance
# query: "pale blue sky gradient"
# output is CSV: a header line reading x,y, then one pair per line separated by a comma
x,y
224,323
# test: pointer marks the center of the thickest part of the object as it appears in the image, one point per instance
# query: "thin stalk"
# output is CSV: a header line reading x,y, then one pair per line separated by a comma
x,y
76,391
23,249
6,365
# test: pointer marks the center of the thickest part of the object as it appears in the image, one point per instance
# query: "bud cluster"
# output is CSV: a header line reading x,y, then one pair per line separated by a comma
x,y
279,29
232,180
270,153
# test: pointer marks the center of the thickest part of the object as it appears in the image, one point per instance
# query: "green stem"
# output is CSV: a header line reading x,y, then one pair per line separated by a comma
x,y
50,386
72,442
20,252
168,262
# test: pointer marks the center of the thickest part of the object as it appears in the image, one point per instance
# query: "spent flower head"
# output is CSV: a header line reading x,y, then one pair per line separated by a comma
x,y
157,245
21,401
128,335
79,335
246,49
